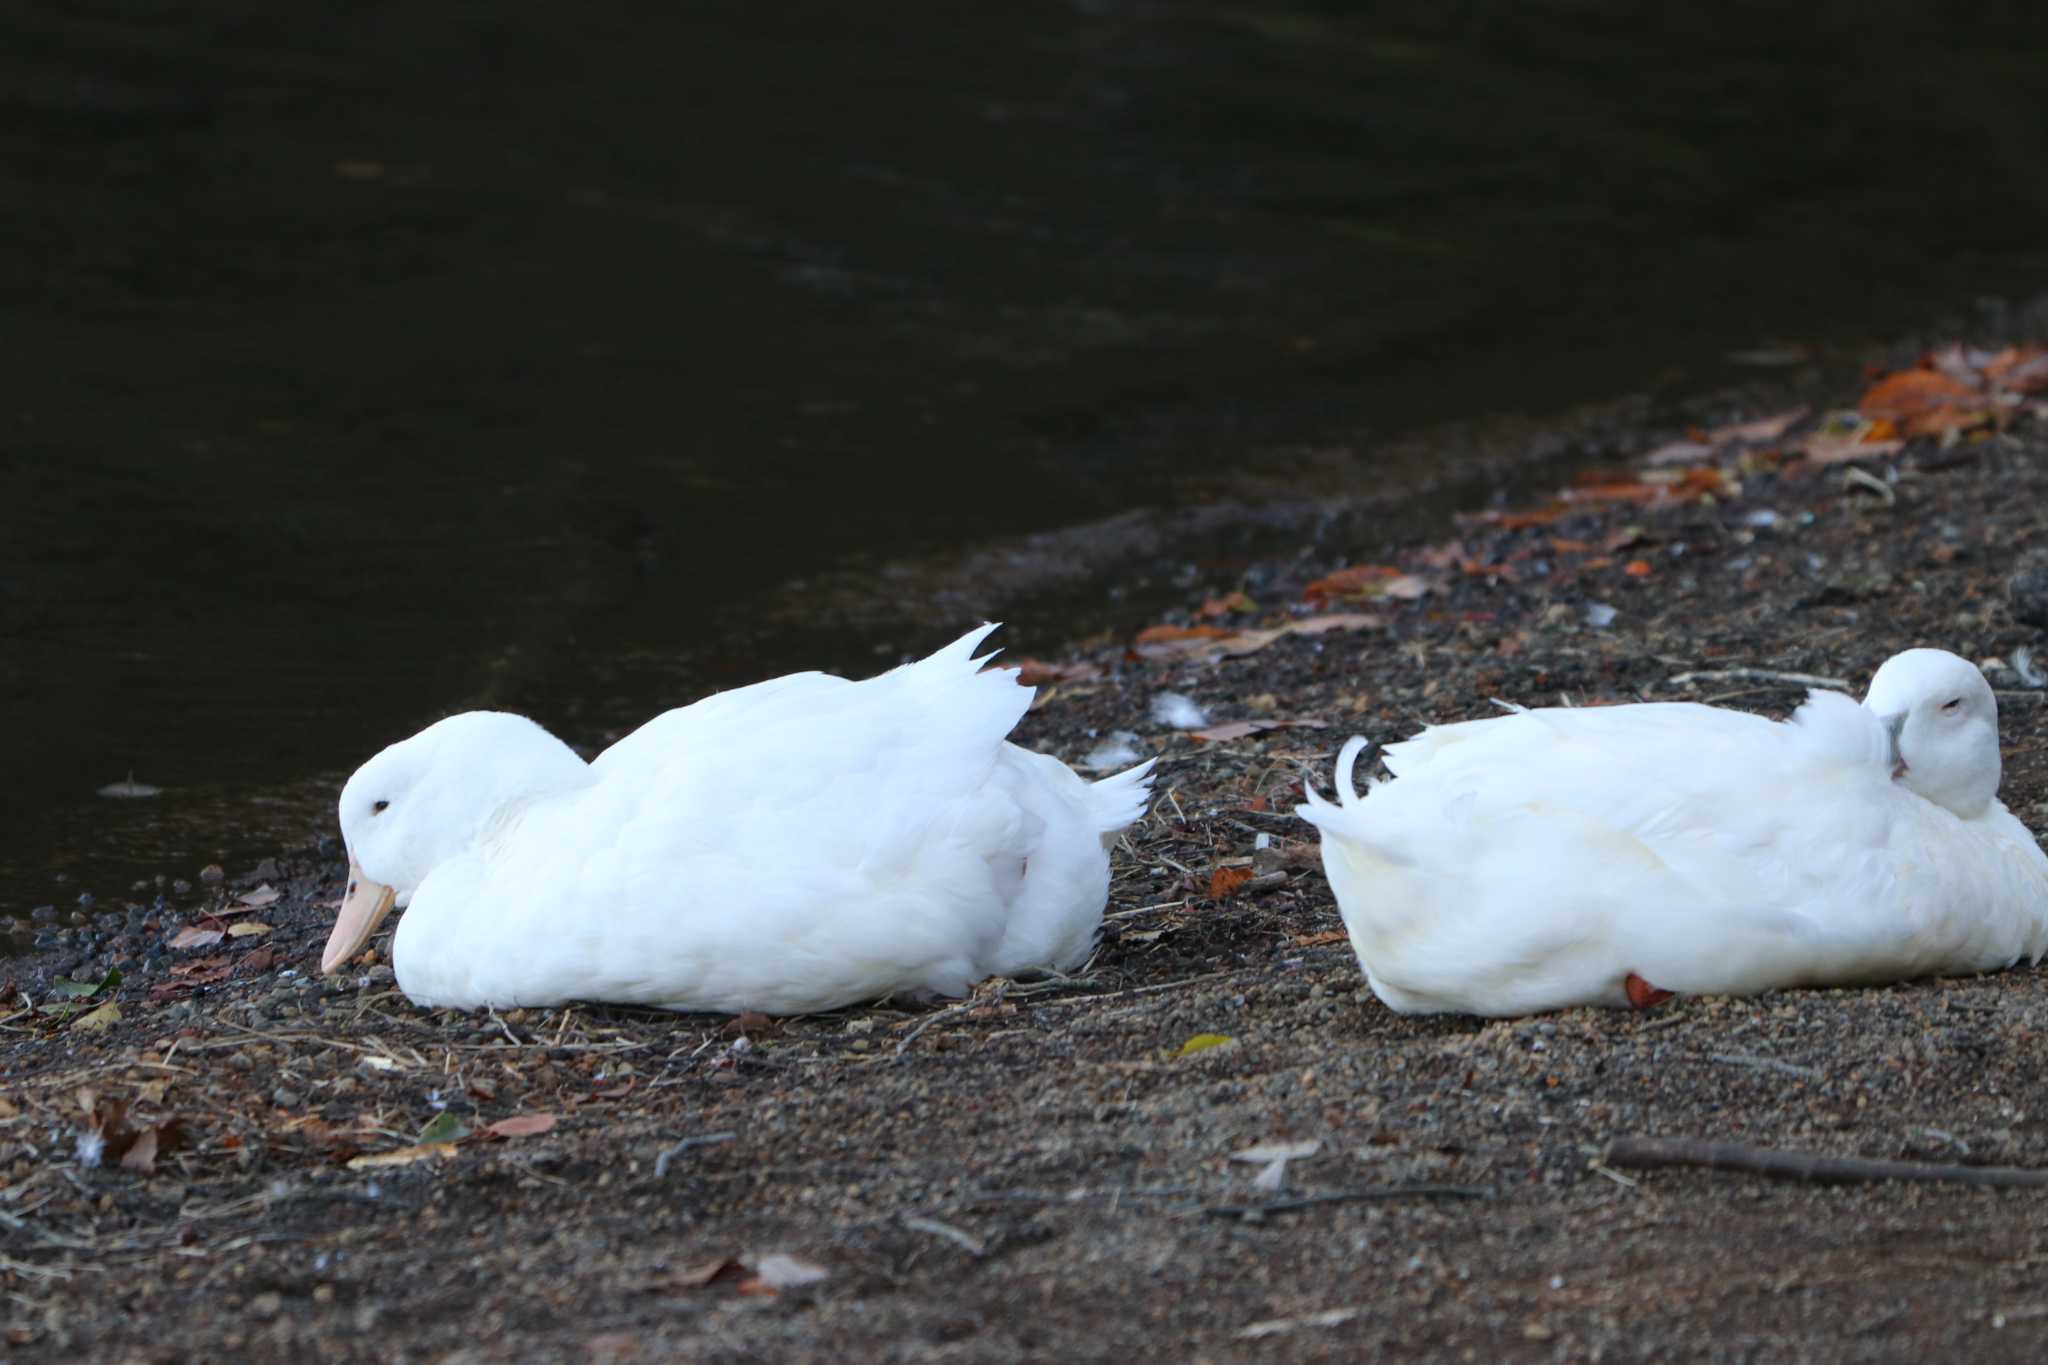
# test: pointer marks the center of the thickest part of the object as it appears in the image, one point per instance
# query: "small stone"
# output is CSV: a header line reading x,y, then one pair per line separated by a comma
x,y
284,1098
86,900
212,873
181,887
266,1305
43,914
380,974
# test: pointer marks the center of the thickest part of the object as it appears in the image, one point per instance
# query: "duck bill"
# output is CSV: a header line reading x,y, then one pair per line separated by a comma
x,y
362,910
1894,726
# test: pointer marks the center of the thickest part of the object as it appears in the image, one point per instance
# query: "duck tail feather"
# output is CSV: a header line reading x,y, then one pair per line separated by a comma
x,y
1120,799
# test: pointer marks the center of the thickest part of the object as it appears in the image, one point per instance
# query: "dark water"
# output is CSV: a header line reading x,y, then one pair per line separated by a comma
x,y
368,365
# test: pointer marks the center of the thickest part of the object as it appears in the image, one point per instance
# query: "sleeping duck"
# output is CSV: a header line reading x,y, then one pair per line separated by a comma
x,y
798,845
1614,855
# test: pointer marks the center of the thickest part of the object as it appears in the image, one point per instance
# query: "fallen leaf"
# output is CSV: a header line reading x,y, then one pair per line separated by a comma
x,y
1679,452
444,1127
81,990
1037,672
105,1017
708,1272
1836,447
776,1271
403,1156
1252,641
1770,428
246,928
263,895
192,936
1203,1042
1910,393
1155,635
204,971
1317,940
1223,606
1225,881
1637,568
522,1125
1360,580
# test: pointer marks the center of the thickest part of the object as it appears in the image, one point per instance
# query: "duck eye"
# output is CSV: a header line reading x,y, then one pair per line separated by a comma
x,y
377,807
1952,704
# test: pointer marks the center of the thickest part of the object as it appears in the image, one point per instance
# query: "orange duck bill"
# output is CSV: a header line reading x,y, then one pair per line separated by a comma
x,y
363,908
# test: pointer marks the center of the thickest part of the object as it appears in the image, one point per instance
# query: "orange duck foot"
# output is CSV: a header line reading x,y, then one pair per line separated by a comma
x,y
1642,994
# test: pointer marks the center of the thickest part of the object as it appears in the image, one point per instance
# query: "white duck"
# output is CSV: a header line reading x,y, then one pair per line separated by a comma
x,y
798,845
1613,855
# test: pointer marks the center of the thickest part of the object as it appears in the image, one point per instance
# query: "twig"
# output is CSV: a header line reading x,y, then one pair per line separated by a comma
x,y
1755,675
1255,1211
1136,990
1648,1153
707,1140
967,1241
1762,1064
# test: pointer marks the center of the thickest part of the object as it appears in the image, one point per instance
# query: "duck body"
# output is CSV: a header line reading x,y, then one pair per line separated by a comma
x,y
798,845
1565,857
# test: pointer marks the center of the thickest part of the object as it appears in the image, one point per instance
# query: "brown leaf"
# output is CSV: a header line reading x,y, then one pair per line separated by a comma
x,y
1360,580
1912,392
1225,881
1159,635
522,1125
1036,672
263,895
708,1272
192,936
403,1156
1316,940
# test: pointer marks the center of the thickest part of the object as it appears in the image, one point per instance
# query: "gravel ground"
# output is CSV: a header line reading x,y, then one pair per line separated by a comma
x,y
290,1166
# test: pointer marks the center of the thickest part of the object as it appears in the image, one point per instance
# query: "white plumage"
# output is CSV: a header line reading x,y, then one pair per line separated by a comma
x,y
800,844
1540,860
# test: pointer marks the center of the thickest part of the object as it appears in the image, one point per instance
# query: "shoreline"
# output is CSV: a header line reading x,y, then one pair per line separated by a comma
x,y
1056,1131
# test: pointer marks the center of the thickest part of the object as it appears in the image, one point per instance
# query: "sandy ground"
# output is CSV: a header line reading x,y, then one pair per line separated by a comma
x,y
1046,1170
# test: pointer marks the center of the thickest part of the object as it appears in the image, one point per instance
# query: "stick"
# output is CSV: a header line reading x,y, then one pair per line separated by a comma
x,y
1647,1153
708,1139
1306,1201
1756,675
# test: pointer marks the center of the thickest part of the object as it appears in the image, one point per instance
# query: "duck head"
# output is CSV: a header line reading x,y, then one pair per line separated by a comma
x,y
430,798
1943,722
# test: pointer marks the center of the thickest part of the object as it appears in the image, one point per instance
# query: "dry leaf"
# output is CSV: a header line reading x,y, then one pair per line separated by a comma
x,y
403,1156
697,1276
105,1017
1911,393
1203,1042
193,936
1036,672
1155,635
246,928
263,895
522,1125
1225,881
1317,940
1360,580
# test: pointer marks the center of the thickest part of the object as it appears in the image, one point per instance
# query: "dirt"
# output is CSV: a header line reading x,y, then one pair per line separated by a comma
x,y
1045,1170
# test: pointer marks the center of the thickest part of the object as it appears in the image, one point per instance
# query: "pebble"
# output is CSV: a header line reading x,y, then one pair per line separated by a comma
x,y
285,1098
266,1305
212,873
43,914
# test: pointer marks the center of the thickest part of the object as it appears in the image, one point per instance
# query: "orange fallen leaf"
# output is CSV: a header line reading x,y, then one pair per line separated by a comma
x,y
1317,940
1356,580
1637,568
1911,392
1034,672
1225,881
